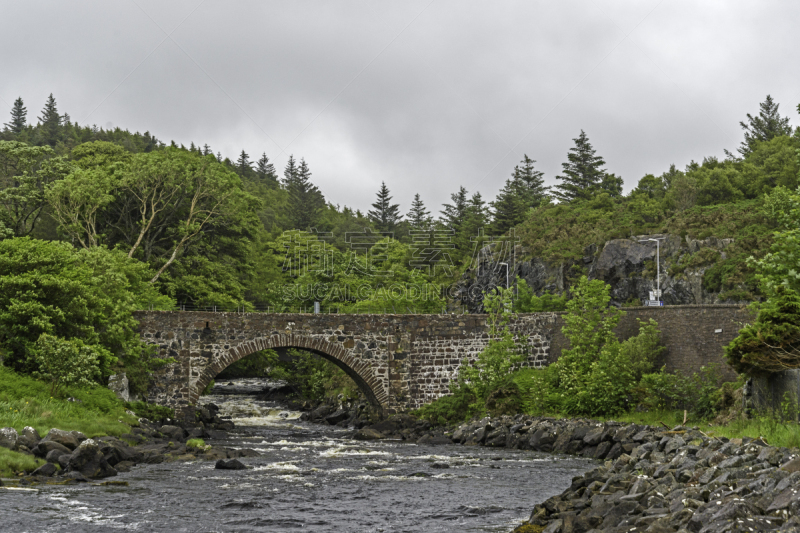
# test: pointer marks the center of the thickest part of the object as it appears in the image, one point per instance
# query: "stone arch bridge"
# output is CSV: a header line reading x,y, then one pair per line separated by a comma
x,y
399,361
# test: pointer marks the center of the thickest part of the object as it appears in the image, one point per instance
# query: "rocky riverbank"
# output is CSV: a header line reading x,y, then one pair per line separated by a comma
x,y
652,479
71,457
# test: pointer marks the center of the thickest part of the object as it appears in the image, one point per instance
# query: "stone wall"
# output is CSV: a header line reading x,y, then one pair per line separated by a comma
x,y
694,335
400,361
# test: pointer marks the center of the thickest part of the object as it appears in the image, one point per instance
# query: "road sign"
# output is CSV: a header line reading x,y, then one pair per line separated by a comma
x,y
656,303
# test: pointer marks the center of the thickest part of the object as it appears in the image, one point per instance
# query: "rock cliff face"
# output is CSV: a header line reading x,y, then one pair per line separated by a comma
x,y
628,265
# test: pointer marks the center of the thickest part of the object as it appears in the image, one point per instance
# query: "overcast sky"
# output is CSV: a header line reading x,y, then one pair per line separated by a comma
x,y
425,95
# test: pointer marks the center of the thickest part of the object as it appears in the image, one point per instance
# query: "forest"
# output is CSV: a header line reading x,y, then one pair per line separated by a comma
x,y
95,224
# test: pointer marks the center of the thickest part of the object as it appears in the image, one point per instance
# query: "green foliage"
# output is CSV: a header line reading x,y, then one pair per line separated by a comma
x,y
526,301
315,377
82,296
258,364
698,393
456,407
12,463
195,443
772,342
63,362
150,411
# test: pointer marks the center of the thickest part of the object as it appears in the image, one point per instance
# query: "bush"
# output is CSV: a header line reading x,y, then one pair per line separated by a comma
x,y
151,411
698,393
195,443
65,362
527,302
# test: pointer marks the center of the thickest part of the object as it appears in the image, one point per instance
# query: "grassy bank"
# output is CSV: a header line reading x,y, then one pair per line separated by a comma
x,y
25,401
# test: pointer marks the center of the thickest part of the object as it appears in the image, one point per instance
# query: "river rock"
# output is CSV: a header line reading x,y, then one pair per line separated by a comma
x,y
339,416
233,464
367,434
46,446
65,438
47,469
8,438
172,432
88,459
29,438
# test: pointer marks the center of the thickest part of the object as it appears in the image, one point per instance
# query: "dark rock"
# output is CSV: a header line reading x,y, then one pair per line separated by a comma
x,y
46,446
233,464
173,433
28,438
47,469
64,438
75,476
89,461
367,434
321,412
215,434
440,465
339,416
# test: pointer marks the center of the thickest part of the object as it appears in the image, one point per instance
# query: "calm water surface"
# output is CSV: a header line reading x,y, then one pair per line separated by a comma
x,y
309,478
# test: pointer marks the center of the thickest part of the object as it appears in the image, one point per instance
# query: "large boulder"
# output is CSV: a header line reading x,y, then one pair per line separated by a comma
x,y
173,432
44,448
88,459
65,438
339,416
28,438
233,464
47,469
367,434
8,438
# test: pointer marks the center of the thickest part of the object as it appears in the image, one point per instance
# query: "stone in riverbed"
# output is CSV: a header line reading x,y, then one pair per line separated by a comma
x,y
8,438
338,416
367,434
47,469
28,438
233,464
88,460
65,438
46,446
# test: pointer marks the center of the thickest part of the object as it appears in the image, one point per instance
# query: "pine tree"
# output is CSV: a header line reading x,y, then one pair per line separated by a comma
x,y
766,126
583,171
418,216
524,191
19,114
207,149
265,171
305,201
243,165
50,122
453,214
386,214
191,147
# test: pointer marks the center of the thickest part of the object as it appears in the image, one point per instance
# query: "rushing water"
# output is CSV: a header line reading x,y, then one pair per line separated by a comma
x,y
309,477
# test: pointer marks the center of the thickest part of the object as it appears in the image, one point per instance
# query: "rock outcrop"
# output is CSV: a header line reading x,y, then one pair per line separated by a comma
x,y
628,265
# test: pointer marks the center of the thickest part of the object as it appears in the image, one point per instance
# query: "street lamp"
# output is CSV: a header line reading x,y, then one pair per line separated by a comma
x,y
506,265
658,266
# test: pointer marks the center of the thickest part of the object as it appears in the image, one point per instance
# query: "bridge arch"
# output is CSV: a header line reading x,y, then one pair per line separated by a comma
x,y
359,371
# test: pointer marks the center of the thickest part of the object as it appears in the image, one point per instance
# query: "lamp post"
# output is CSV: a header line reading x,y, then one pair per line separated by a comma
x,y
506,265
658,265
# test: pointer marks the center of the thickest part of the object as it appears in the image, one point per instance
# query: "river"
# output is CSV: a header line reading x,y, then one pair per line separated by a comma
x,y
309,477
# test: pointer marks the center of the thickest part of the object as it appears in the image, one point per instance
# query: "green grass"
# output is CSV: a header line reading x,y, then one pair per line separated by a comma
x,y
13,462
195,443
25,401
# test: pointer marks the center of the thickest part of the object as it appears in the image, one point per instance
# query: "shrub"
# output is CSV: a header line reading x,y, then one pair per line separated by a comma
x,y
698,393
195,443
151,411
64,362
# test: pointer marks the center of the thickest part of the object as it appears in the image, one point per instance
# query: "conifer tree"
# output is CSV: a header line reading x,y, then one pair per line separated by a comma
x,y
265,171
453,214
19,115
418,216
583,171
305,201
50,122
207,149
386,215
243,165
524,191
766,126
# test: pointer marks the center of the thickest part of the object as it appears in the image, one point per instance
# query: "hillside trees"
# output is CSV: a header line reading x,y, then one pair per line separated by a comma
x,y
19,115
385,215
764,127
418,216
25,172
582,173
305,201
524,191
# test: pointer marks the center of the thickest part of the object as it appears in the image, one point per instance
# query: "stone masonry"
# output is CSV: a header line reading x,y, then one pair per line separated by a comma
x,y
402,362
